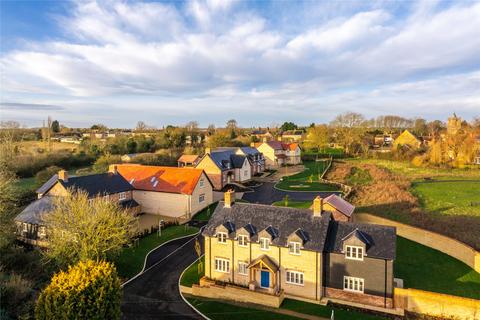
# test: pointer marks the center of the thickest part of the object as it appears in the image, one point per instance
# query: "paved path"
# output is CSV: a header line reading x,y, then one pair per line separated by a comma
x,y
267,194
155,293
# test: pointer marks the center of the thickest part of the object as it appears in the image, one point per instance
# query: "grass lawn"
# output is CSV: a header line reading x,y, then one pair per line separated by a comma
x,y
130,262
308,179
294,204
462,197
220,310
326,311
191,275
26,184
427,269
206,213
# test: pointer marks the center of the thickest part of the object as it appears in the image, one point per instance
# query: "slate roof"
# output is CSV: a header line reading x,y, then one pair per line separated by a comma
x,y
48,185
159,178
279,221
225,158
98,184
381,239
33,213
340,204
249,150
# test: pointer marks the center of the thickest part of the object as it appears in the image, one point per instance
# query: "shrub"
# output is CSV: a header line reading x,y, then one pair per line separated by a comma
x,y
88,290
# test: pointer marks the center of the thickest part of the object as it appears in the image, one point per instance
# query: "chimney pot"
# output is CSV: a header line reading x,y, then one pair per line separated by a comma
x,y
113,169
207,150
63,175
229,198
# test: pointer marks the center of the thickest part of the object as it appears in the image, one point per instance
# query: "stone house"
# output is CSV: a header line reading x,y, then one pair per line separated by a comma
x,y
300,253
407,139
277,153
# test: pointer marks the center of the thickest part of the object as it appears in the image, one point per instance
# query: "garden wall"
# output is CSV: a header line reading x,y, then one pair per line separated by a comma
x,y
452,247
437,304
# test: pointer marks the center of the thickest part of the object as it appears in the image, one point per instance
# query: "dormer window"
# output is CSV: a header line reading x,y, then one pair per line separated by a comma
x,y
242,240
354,253
294,248
222,237
264,243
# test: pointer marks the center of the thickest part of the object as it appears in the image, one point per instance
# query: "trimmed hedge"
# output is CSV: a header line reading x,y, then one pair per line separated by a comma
x,y
88,290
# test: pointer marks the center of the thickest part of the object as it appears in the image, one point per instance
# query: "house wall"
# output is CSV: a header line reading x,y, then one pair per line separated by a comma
x,y
293,157
207,190
269,155
244,173
213,172
377,275
308,262
57,190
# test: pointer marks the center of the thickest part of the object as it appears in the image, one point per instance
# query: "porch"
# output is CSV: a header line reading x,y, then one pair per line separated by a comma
x,y
263,275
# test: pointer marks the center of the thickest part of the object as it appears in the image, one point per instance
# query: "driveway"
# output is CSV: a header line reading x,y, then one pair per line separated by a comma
x,y
155,293
267,194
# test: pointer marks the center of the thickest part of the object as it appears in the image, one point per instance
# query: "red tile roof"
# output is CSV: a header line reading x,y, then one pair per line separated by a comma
x,y
160,179
188,158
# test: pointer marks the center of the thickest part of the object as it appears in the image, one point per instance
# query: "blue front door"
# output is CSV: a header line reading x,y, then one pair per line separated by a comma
x,y
265,279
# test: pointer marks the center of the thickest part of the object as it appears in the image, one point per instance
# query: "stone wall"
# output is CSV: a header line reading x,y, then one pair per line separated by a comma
x,y
447,245
367,299
209,289
436,304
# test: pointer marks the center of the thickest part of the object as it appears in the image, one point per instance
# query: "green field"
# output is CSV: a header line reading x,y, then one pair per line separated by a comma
x,y
453,198
308,179
131,260
424,268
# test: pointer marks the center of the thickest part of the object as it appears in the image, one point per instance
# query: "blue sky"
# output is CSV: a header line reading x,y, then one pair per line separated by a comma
x,y
262,63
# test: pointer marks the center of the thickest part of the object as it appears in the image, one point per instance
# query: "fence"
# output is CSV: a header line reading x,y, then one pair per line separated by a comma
x,y
437,304
452,247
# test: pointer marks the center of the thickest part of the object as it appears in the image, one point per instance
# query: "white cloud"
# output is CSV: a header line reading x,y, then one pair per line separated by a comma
x,y
234,57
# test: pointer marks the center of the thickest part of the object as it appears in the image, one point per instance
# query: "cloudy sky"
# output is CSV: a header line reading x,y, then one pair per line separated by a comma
x,y
258,62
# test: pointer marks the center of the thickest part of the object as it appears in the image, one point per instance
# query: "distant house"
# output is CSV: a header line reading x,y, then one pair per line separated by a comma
x,y
407,139
262,135
255,158
224,167
293,136
299,253
111,185
188,160
277,153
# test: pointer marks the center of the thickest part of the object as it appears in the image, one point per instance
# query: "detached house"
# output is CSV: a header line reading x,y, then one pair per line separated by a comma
x,y
111,185
274,252
277,153
224,167
407,139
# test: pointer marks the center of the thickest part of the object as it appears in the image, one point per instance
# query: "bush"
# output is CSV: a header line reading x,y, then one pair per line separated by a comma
x,y
88,290
15,291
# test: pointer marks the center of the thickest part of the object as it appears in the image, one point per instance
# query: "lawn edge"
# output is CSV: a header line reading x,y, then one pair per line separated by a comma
x,y
160,245
180,290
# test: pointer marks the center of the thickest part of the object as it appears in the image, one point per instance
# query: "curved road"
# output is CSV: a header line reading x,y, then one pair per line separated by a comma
x,y
267,194
155,293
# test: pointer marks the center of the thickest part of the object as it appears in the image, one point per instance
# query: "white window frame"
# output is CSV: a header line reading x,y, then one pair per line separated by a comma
x,y
222,237
243,242
42,231
294,248
222,265
294,277
242,268
354,253
201,198
122,196
353,284
264,244
202,183
25,227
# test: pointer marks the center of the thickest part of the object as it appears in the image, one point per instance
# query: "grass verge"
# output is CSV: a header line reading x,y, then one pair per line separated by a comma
x,y
427,269
206,213
131,260
192,274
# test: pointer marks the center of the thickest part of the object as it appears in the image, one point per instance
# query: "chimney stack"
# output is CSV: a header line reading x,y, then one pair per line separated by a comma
x,y
207,150
113,169
317,206
229,198
63,175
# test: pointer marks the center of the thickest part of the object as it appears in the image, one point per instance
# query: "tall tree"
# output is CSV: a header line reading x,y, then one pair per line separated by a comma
x,y
232,124
317,137
55,126
349,130
286,126
80,228
141,126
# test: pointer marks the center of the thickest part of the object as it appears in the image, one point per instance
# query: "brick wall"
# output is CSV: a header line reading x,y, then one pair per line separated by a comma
x,y
359,297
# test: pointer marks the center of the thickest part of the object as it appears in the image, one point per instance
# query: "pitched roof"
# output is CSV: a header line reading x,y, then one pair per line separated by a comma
x,y
33,213
98,184
188,158
381,239
249,150
227,159
290,146
280,222
278,145
265,260
340,204
160,179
